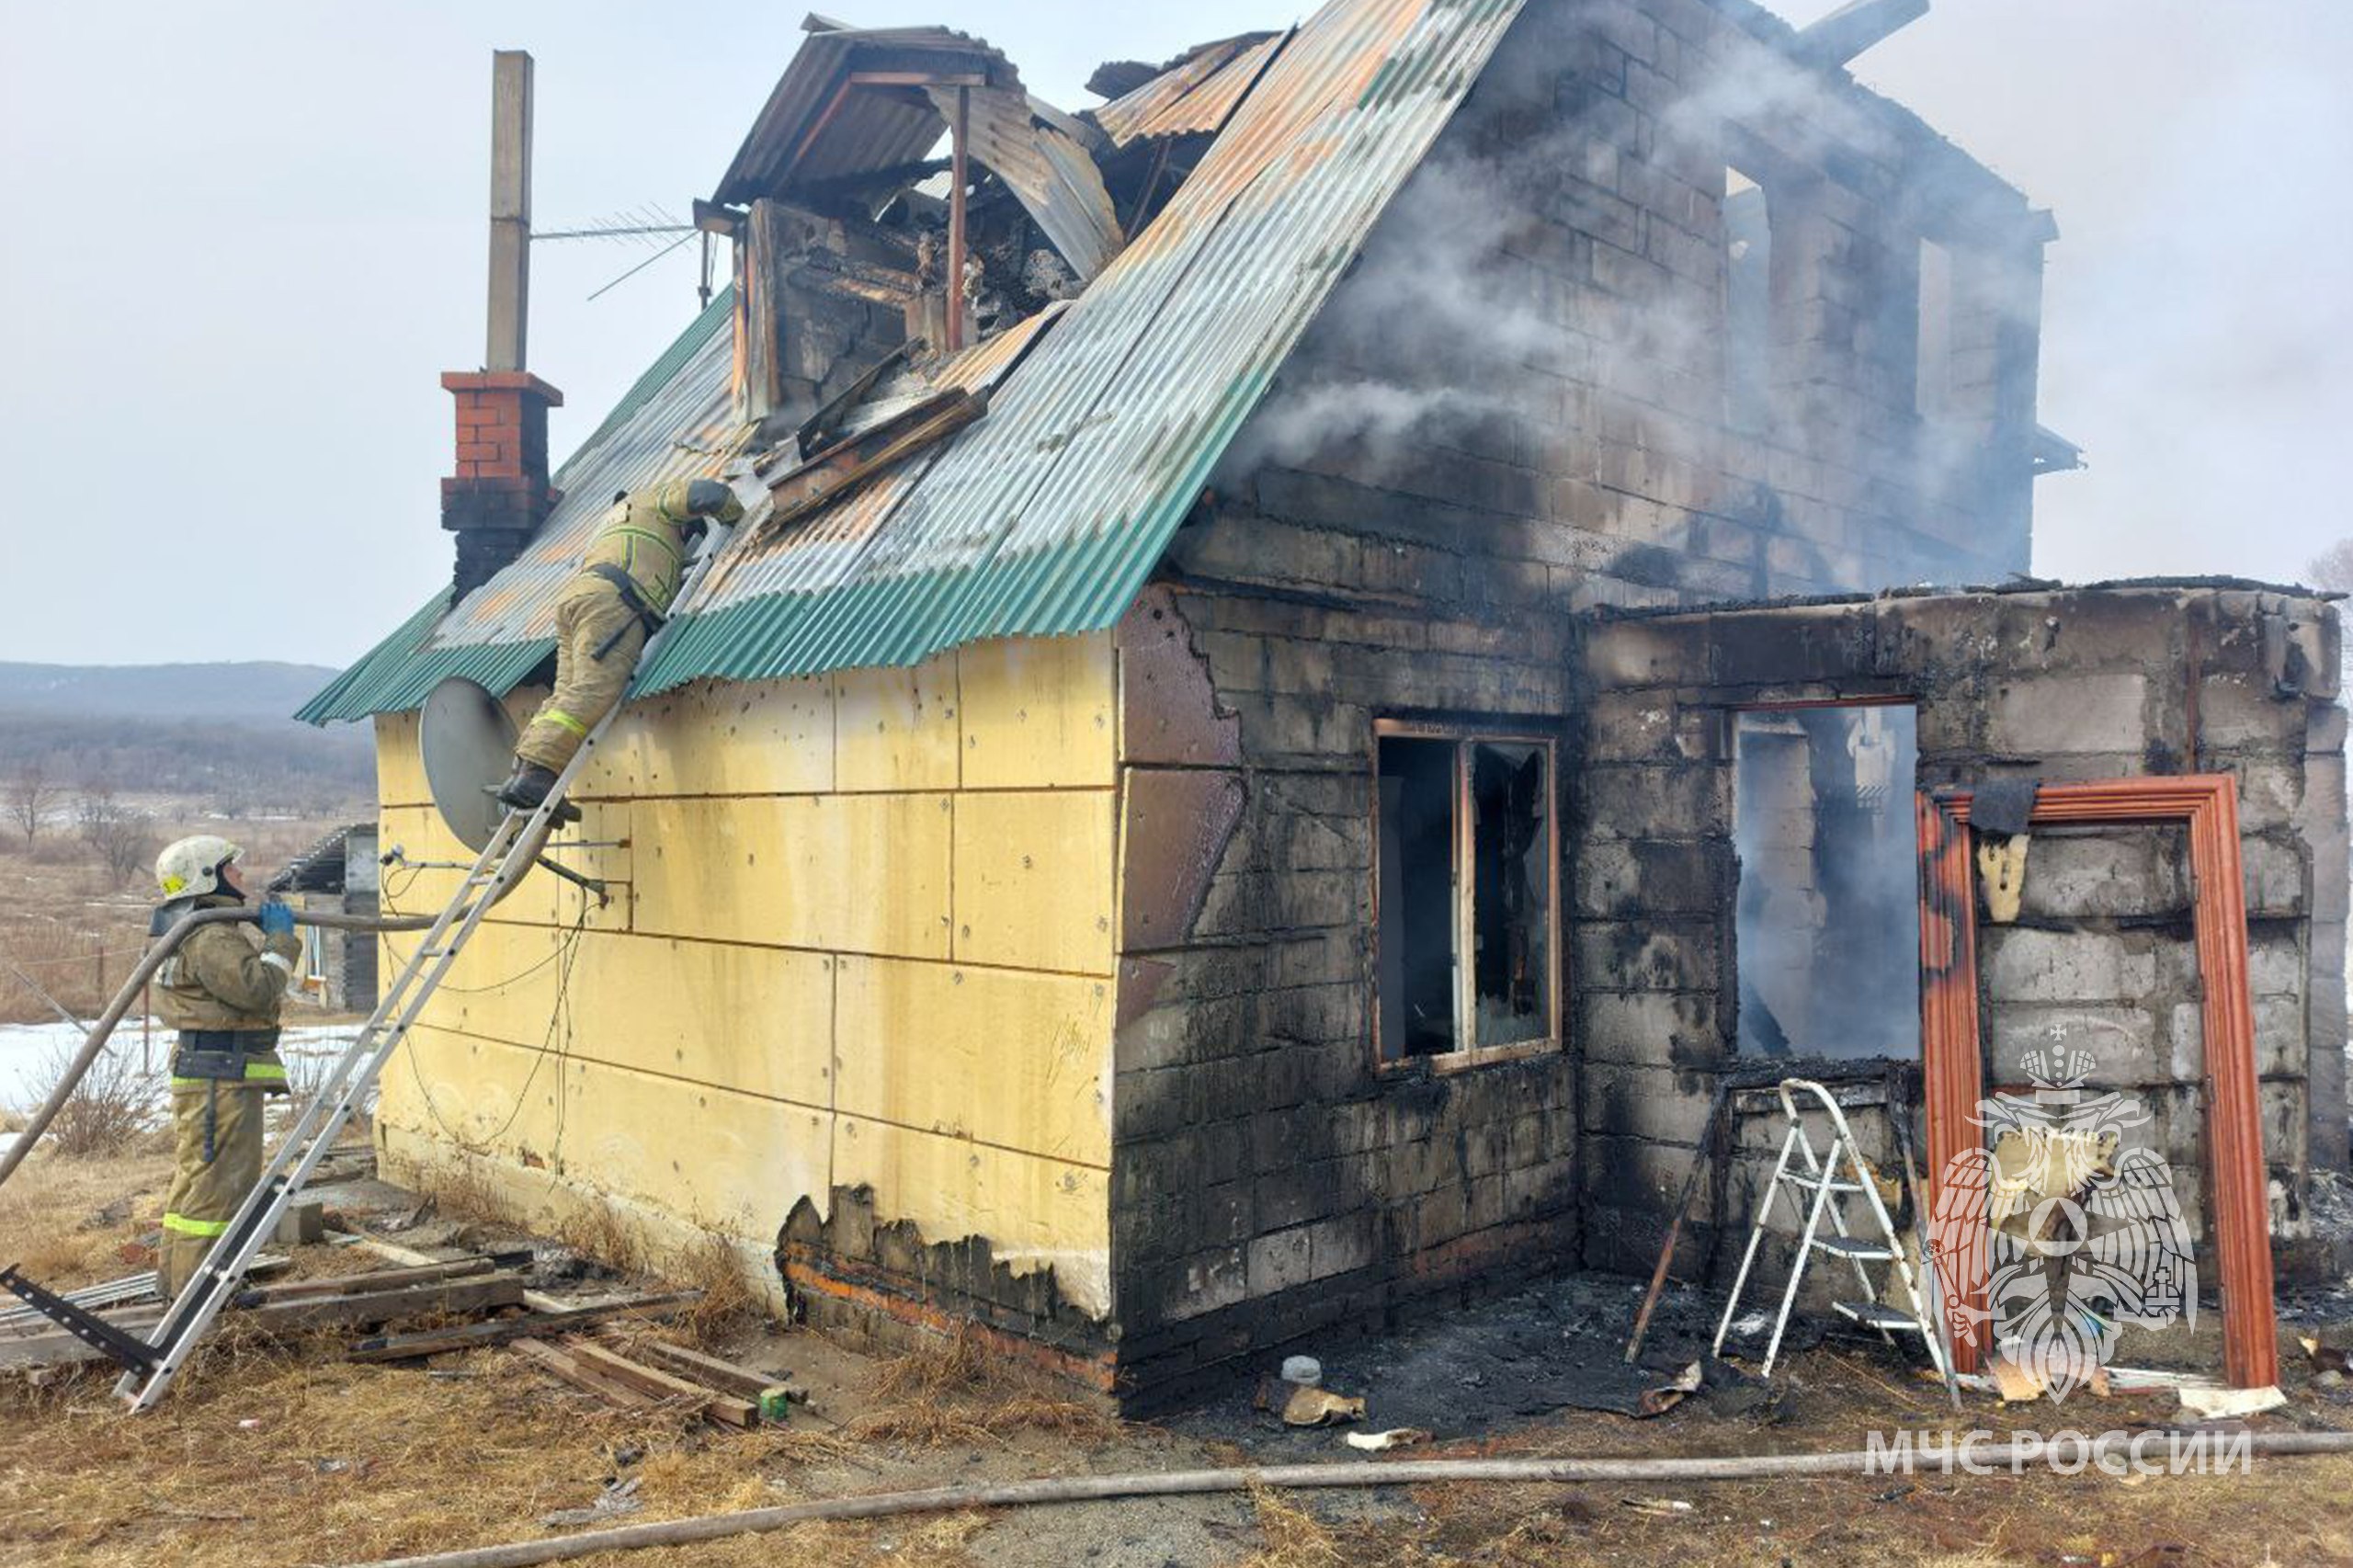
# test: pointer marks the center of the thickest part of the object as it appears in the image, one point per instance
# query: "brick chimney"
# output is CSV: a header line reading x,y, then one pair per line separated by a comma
x,y
499,495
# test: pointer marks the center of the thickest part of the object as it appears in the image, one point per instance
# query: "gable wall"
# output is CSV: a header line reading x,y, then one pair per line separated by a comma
x,y
855,977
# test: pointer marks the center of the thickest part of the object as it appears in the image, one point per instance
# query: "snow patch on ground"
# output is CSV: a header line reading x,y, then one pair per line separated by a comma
x,y
30,1053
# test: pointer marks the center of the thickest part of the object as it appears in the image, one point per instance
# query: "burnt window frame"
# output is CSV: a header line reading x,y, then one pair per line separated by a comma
x,y
1464,735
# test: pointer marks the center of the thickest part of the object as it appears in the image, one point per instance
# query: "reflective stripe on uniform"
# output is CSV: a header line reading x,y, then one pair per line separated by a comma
x,y
667,547
256,1072
557,716
188,1227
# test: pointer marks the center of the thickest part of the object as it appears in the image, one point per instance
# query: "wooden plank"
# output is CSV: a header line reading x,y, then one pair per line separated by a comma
x,y
472,1336
384,1280
568,1367
393,1252
850,463
653,1380
484,1294
709,1370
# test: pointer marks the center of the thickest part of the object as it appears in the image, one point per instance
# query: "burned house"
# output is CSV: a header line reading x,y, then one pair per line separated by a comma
x,y
1334,641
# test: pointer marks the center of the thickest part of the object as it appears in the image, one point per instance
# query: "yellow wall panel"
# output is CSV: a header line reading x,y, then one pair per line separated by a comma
x,y
1017,1060
1039,711
466,1092
1034,879
737,738
758,1020
418,833
767,1013
507,985
727,1162
1037,1213
856,874
400,766
896,729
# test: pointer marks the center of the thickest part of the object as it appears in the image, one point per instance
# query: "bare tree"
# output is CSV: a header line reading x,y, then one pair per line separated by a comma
x,y
30,795
96,810
2333,567
125,841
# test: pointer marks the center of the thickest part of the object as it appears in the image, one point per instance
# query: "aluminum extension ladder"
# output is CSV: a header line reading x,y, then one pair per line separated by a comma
x,y
1817,1184
505,860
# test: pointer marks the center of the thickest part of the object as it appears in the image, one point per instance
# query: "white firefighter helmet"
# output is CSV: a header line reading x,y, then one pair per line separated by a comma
x,y
191,867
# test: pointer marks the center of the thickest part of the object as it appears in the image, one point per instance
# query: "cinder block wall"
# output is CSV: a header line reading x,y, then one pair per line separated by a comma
x,y
851,1006
2054,685
1518,396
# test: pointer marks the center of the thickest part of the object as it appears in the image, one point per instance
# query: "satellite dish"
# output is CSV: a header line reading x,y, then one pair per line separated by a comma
x,y
469,744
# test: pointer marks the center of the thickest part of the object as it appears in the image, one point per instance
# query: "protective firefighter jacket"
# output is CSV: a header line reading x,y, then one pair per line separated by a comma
x,y
644,537
218,981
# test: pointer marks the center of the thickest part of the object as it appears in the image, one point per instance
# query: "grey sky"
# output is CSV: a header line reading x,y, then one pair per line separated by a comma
x,y
244,241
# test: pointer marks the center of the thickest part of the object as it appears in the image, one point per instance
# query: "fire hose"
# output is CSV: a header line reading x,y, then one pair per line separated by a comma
x,y
1993,1458
161,950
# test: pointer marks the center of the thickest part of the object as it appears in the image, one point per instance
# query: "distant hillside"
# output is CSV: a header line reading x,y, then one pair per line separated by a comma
x,y
254,690
222,735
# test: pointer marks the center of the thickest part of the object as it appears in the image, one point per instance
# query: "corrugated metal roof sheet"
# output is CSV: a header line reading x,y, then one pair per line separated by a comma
x,y
822,123
1195,96
1045,517
815,128
1051,176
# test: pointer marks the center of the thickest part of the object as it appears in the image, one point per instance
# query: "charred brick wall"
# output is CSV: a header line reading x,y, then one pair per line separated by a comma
x,y
2050,685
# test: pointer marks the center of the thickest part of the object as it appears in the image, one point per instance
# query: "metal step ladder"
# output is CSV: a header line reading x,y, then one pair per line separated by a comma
x,y
505,861
1817,1182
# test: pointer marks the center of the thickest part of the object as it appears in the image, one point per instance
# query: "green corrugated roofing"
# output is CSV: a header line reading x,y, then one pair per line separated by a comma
x,y
1046,516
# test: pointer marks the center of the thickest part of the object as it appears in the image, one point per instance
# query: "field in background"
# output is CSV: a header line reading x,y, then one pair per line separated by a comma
x,y
100,767
73,912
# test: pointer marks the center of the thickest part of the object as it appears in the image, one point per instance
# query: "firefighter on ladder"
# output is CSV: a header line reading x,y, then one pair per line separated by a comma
x,y
221,991
618,599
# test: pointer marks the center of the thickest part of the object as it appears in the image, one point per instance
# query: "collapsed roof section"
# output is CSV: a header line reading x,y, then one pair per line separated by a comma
x,y
859,113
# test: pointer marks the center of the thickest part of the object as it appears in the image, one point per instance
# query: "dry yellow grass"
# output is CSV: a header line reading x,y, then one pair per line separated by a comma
x,y
69,1223
286,1456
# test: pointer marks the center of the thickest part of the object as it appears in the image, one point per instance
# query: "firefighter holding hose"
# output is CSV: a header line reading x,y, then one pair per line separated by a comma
x,y
221,991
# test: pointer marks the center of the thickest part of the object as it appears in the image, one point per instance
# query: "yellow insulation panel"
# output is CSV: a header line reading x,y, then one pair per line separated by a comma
x,y
862,935
739,1164
852,874
758,1020
1034,876
1040,711
543,897
400,766
1005,1057
759,738
896,729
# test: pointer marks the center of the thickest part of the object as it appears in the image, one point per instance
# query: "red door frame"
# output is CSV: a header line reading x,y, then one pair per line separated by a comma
x,y
1953,1061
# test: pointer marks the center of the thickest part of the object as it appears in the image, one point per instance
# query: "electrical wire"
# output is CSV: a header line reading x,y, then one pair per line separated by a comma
x,y
568,950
